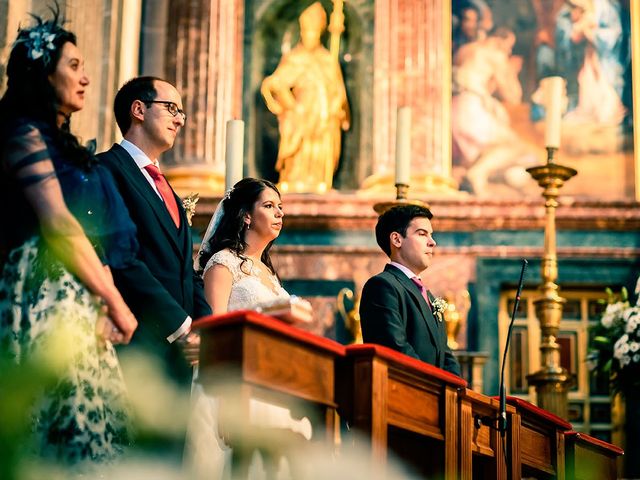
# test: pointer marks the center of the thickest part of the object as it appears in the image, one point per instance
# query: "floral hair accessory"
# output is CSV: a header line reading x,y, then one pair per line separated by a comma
x,y
227,194
39,39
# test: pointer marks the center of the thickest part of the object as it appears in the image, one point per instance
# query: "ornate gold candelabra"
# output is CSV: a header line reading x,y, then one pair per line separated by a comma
x,y
402,194
552,381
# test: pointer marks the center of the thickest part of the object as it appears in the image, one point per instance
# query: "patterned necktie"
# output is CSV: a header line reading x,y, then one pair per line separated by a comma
x,y
165,192
423,289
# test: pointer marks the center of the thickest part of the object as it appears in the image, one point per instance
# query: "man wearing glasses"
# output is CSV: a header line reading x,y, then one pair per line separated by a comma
x,y
164,293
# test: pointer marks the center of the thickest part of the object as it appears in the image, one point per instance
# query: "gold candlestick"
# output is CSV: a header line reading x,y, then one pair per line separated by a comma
x,y
552,381
402,198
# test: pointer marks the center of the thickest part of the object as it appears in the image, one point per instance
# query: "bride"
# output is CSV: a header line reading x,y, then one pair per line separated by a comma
x,y
234,257
238,274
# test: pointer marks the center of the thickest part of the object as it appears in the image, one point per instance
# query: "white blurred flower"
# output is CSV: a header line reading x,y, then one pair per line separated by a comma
x,y
636,358
634,346
631,313
613,312
621,346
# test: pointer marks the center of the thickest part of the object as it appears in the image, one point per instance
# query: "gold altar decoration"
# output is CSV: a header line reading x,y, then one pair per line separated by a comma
x,y
336,27
402,198
455,316
421,182
552,381
201,178
307,94
351,317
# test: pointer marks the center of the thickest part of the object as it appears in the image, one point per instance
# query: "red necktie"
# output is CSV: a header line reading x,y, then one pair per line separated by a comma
x,y
165,192
423,289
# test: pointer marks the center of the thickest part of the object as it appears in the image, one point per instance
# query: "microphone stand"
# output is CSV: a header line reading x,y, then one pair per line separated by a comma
x,y
502,416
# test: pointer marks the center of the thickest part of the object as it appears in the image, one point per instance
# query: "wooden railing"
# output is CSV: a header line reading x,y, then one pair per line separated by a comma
x,y
391,402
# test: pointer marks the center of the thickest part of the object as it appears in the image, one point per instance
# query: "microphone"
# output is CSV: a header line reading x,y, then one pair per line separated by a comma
x,y
502,417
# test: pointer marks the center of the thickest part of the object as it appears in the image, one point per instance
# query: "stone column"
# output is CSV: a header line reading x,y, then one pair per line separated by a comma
x,y
153,37
204,61
11,15
108,34
412,67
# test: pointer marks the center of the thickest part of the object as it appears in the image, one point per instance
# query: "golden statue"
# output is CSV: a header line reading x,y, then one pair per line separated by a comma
x,y
351,318
455,315
307,94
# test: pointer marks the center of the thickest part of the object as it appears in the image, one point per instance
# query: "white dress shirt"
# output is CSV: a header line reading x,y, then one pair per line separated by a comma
x,y
404,270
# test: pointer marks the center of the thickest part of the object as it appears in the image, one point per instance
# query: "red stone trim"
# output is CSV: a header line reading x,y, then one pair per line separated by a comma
x,y
352,211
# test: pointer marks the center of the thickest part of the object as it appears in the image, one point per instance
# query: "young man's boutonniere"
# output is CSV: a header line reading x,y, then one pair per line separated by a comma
x,y
189,203
440,306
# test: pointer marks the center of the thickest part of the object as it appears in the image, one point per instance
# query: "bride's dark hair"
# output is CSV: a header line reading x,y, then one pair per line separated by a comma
x,y
232,227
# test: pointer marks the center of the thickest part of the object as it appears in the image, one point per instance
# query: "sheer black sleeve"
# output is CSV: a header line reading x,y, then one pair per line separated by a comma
x,y
26,156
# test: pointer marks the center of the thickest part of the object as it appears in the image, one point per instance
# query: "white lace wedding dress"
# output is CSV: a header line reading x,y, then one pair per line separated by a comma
x,y
248,291
207,455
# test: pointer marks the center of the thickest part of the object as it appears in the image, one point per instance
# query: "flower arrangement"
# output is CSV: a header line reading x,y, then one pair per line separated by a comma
x,y
615,344
189,203
440,306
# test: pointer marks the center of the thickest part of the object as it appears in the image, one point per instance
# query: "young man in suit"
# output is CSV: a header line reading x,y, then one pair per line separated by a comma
x,y
396,310
164,293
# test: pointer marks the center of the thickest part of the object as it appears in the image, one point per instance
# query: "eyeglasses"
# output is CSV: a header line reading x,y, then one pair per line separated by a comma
x,y
172,108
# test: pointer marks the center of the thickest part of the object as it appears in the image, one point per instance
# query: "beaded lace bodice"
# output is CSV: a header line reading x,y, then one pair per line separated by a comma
x,y
248,290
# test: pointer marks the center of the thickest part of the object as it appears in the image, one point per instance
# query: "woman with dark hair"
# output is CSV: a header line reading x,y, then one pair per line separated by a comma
x,y
238,275
234,256
62,220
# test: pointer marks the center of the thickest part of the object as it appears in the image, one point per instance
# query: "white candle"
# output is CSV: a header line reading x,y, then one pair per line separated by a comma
x,y
553,88
403,146
234,156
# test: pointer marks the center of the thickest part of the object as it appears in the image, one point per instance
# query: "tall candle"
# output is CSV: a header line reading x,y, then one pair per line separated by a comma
x,y
553,88
403,146
234,153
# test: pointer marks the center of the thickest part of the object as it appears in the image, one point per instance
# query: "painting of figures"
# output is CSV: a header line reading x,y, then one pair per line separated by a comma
x,y
501,50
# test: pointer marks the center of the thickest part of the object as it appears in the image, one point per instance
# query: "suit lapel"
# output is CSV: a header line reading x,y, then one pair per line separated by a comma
x,y
137,180
410,287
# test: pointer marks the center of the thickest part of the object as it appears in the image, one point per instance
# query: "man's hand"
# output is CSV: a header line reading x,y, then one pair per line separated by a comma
x,y
190,346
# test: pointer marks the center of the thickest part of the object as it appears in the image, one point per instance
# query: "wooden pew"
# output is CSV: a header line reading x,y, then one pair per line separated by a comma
x,y
422,413
404,405
484,452
541,441
245,355
588,458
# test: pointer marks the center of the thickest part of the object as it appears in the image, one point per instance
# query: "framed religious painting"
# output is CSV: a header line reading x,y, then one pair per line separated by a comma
x,y
501,51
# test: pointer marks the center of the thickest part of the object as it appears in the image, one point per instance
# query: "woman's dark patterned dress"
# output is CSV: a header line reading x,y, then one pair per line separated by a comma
x,y
47,316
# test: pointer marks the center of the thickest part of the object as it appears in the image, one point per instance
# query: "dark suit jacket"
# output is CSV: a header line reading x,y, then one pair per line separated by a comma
x,y
162,289
393,313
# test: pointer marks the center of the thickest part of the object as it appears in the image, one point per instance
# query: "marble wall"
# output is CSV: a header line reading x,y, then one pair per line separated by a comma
x,y
328,244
